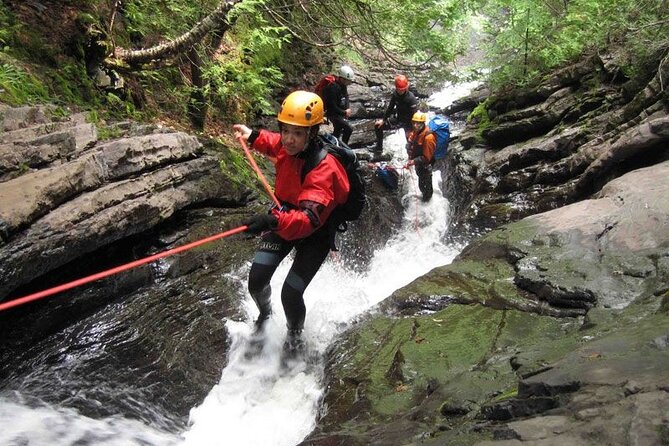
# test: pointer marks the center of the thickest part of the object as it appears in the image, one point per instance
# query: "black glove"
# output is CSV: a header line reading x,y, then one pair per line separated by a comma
x,y
261,223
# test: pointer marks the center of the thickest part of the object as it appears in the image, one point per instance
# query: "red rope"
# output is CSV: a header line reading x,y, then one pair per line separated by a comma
x,y
262,178
116,270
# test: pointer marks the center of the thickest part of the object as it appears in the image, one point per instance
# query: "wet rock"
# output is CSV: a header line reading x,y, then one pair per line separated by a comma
x,y
88,194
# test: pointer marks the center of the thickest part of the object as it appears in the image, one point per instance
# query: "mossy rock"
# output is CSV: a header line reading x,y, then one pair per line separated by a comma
x,y
438,366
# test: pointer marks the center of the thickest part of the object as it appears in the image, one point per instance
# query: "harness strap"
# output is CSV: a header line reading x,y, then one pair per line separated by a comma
x,y
312,160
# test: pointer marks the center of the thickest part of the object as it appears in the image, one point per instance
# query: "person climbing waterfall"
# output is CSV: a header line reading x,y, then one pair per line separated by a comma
x,y
303,221
337,106
420,149
403,104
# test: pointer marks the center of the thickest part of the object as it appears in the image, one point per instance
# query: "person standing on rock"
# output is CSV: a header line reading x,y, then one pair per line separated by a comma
x,y
337,104
420,149
307,203
403,104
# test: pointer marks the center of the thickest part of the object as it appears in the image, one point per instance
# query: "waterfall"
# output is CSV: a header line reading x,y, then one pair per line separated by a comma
x,y
257,402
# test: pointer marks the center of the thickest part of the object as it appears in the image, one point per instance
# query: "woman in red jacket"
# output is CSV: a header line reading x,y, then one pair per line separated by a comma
x,y
308,199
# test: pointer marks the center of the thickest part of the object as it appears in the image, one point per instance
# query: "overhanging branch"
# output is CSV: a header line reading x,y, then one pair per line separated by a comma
x,y
177,46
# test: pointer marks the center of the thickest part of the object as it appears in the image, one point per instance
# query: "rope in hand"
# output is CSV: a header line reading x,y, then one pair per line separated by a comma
x,y
255,167
101,275
97,276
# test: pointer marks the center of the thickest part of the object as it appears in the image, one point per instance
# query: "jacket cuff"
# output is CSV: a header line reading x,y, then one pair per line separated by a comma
x,y
253,136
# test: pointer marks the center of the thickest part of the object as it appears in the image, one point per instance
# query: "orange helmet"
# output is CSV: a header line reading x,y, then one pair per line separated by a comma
x,y
419,117
301,108
401,82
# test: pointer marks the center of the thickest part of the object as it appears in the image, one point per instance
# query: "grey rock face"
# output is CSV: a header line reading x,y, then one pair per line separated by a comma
x,y
62,201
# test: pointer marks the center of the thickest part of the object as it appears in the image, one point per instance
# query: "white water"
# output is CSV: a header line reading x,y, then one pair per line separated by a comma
x,y
255,402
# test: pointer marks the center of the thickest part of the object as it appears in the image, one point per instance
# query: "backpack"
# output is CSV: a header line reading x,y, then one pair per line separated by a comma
x,y
439,125
324,82
388,176
352,208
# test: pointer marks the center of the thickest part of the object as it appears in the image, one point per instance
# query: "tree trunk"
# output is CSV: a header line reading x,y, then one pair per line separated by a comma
x,y
181,43
197,105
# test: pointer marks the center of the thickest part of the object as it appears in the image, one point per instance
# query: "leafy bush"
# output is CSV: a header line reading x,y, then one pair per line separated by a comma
x,y
528,37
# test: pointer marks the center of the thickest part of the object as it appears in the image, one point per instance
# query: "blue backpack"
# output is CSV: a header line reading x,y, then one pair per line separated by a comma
x,y
439,125
388,176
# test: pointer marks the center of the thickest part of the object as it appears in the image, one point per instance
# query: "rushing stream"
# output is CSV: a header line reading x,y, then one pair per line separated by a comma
x,y
257,402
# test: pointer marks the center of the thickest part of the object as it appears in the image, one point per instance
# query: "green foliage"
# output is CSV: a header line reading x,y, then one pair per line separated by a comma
x,y
18,87
23,168
73,85
241,81
109,132
34,69
403,31
240,89
425,29
166,18
8,26
529,37
93,117
58,113
270,43
119,107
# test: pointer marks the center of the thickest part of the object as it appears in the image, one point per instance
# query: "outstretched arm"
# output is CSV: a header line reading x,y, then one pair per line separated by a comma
x,y
240,130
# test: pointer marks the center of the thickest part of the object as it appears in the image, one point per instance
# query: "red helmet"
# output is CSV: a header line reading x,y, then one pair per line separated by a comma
x,y
401,82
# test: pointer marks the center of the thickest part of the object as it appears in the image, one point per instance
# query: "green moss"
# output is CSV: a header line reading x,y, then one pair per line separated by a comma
x,y
479,116
463,348
664,303
73,86
489,282
448,341
109,132
511,392
234,163
401,356
23,168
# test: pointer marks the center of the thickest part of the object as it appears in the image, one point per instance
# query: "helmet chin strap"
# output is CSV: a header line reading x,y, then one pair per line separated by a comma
x,y
311,135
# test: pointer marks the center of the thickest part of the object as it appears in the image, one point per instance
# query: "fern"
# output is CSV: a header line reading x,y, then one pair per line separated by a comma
x,y
17,87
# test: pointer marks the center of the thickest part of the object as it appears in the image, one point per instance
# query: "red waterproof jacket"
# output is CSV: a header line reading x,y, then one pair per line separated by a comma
x,y
326,184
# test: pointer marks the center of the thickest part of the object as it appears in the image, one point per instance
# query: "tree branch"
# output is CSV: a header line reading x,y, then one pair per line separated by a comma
x,y
178,45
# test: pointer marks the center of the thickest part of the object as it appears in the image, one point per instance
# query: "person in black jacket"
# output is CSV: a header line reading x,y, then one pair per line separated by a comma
x,y
403,105
337,108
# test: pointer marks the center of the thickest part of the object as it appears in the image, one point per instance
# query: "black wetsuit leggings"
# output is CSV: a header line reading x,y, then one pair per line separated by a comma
x,y
342,128
310,253
424,174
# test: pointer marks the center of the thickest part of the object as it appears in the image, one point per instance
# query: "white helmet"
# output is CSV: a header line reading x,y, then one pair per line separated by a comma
x,y
346,72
